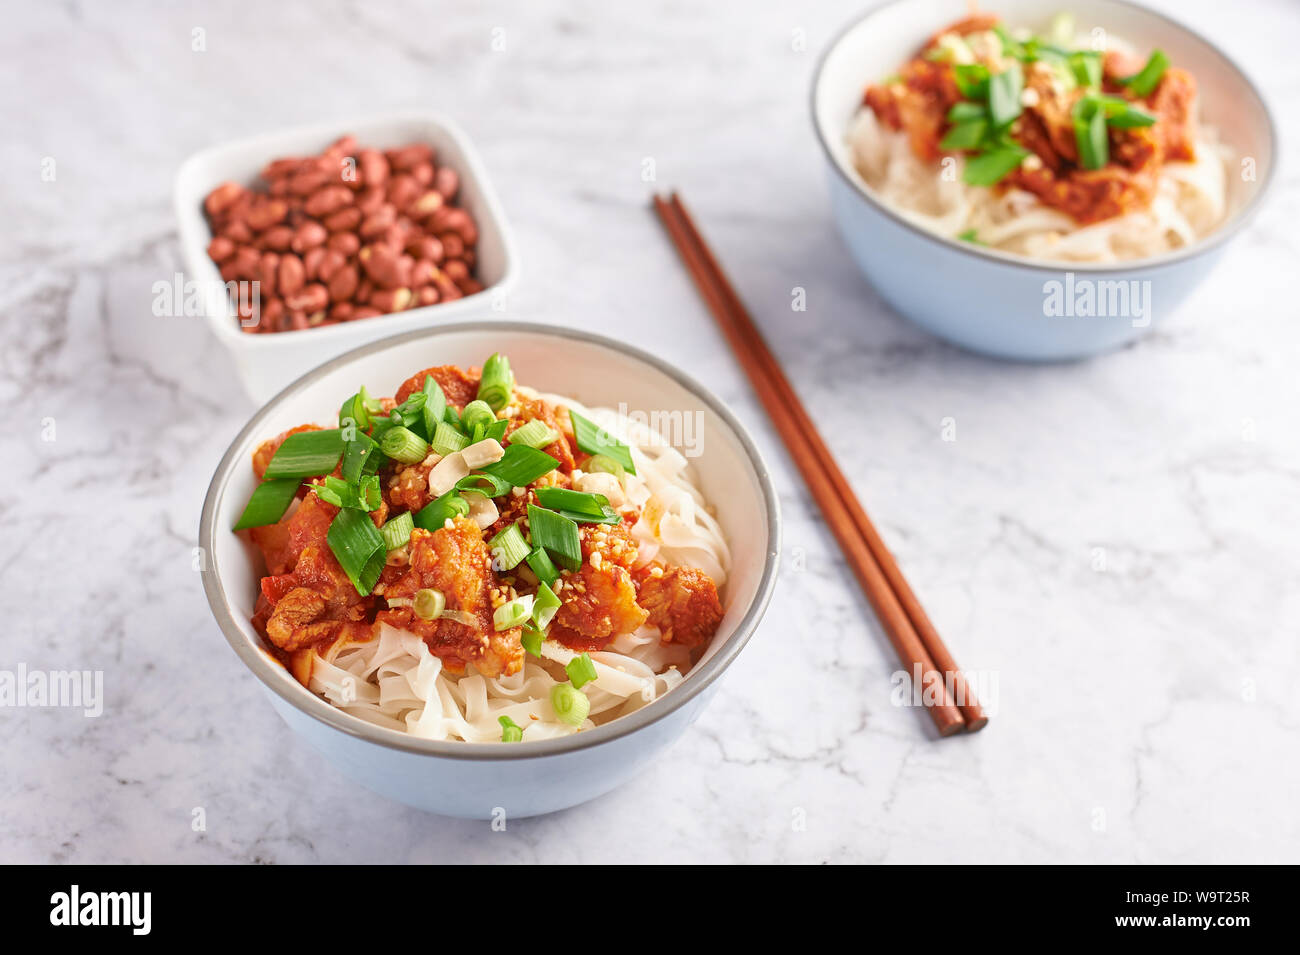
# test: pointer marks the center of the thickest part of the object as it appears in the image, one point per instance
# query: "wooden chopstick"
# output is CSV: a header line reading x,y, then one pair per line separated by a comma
x,y
909,629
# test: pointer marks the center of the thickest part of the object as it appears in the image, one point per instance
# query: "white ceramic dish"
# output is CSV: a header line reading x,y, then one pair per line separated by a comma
x,y
475,779
991,301
267,363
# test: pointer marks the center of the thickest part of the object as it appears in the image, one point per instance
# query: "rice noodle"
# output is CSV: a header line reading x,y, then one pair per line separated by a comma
x,y
393,680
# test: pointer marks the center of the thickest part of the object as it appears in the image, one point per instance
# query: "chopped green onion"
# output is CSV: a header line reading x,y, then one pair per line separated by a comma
x,y
382,425
541,564
1090,133
436,513
511,732
364,495
359,548
1145,81
1085,67
1010,46
604,464
513,613
556,534
971,236
1122,114
972,80
536,434
477,414
429,603
497,430
965,112
531,640
435,405
398,531
522,465
581,671
966,135
544,606
403,444
1004,95
411,411
508,548
989,168
497,382
580,506
593,439
489,485
354,414
269,502
306,454
570,704
359,458
446,439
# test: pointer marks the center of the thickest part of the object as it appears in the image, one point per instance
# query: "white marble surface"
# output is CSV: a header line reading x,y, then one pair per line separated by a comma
x,y
1146,711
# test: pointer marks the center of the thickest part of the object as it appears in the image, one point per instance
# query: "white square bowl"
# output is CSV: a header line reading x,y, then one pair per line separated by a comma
x,y
267,363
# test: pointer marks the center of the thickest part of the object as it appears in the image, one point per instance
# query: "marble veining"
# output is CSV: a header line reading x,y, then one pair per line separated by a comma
x,y
1113,541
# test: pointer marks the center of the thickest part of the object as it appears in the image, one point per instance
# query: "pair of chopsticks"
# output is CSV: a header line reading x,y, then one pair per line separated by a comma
x,y
945,692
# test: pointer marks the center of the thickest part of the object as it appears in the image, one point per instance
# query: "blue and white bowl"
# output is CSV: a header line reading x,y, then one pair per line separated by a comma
x,y
995,302
478,780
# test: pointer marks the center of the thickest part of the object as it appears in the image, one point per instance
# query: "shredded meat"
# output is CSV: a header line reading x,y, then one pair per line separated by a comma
x,y
1174,101
460,387
456,561
681,601
315,602
409,487
599,603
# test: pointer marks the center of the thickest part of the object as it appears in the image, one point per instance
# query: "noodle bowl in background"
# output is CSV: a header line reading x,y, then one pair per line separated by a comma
x,y
1175,200
965,228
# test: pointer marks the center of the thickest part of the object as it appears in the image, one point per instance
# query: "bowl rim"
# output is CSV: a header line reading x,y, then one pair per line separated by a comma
x,y
1201,246
260,663
473,170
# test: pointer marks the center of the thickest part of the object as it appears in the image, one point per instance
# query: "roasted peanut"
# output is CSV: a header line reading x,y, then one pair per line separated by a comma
x,y
268,272
391,299
373,167
311,262
327,199
447,182
344,242
403,190
343,283
220,249
345,220
382,265
378,221
277,238
409,156
311,298
221,198
309,235
291,275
